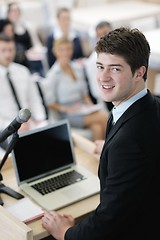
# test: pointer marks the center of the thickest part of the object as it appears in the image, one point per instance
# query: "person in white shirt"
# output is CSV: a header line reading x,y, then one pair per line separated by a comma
x,y
26,90
66,92
101,29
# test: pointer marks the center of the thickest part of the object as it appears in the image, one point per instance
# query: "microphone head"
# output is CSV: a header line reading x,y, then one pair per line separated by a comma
x,y
23,115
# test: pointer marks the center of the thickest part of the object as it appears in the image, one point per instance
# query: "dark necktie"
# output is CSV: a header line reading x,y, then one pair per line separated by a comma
x,y
13,90
109,123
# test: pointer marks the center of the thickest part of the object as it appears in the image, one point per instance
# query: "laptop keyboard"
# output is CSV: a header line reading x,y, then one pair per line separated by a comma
x,y
58,182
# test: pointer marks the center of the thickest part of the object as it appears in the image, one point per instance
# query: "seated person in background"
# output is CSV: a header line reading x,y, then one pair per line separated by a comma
x,y
6,27
29,50
23,88
101,29
66,91
21,33
63,28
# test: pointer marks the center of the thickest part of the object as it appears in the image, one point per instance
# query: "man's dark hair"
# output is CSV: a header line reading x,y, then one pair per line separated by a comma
x,y
61,10
103,24
6,38
128,43
3,23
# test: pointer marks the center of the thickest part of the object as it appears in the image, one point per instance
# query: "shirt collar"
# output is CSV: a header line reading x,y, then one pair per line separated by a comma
x,y
58,33
3,70
120,109
57,67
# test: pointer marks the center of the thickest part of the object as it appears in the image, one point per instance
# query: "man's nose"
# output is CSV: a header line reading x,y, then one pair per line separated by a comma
x,y
105,75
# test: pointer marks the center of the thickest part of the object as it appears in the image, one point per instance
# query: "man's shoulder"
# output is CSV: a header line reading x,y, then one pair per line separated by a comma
x,y
157,98
20,67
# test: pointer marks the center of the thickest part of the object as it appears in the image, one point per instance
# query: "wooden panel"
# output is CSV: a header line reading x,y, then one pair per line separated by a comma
x,y
13,229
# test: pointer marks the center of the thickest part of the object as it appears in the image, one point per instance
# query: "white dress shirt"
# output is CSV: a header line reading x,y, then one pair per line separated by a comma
x,y
117,111
57,33
61,88
91,71
26,91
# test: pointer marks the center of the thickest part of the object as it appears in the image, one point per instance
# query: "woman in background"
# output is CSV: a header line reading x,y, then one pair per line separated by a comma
x,y
64,28
21,33
67,91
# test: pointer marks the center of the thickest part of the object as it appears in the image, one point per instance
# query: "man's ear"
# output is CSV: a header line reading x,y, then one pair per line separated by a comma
x,y
140,72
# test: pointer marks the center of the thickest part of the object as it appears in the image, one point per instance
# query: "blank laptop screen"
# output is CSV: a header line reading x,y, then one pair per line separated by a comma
x,y
46,150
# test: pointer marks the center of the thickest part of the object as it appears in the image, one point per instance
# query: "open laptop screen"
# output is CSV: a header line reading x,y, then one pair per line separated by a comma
x,y
43,151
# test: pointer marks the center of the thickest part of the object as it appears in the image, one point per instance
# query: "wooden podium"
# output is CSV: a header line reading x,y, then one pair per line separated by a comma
x,y
13,229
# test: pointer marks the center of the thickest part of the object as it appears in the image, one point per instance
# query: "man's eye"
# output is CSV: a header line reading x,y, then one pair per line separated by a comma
x,y
99,67
114,69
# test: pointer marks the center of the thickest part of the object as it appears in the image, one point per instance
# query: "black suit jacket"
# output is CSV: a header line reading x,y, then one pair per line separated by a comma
x,y
77,49
129,175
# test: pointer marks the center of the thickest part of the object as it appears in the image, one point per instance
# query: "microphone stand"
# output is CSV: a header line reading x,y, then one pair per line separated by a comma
x,y
3,188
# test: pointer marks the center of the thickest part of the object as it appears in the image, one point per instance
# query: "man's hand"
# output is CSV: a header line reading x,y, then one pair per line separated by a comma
x,y
57,224
98,146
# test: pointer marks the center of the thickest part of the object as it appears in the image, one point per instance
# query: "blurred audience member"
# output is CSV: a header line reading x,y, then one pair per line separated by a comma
x,y
64,28
22,36
17,89
6,27
66,91
102,28
30,51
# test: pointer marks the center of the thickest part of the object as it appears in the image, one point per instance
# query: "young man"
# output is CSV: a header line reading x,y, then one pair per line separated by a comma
x,y
23,88
129,168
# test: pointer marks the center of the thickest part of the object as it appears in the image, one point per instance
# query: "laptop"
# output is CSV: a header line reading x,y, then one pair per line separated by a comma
x,y
46,170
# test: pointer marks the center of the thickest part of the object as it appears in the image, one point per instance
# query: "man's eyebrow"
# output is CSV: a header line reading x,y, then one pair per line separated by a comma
x,y
110,65
99,63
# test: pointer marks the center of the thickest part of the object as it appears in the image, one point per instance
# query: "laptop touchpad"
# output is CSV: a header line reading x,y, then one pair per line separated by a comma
x,y
74,192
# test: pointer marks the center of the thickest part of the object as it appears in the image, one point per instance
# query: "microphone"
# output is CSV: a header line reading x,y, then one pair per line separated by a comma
x,y
23,116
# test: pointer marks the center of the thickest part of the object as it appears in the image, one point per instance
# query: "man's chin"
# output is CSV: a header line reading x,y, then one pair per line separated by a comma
x,y
106,99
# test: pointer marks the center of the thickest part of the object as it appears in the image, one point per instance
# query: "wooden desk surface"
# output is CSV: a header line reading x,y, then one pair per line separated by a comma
x,y
77,210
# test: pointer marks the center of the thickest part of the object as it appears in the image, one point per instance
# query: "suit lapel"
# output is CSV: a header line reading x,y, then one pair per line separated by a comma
x,y
137,107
